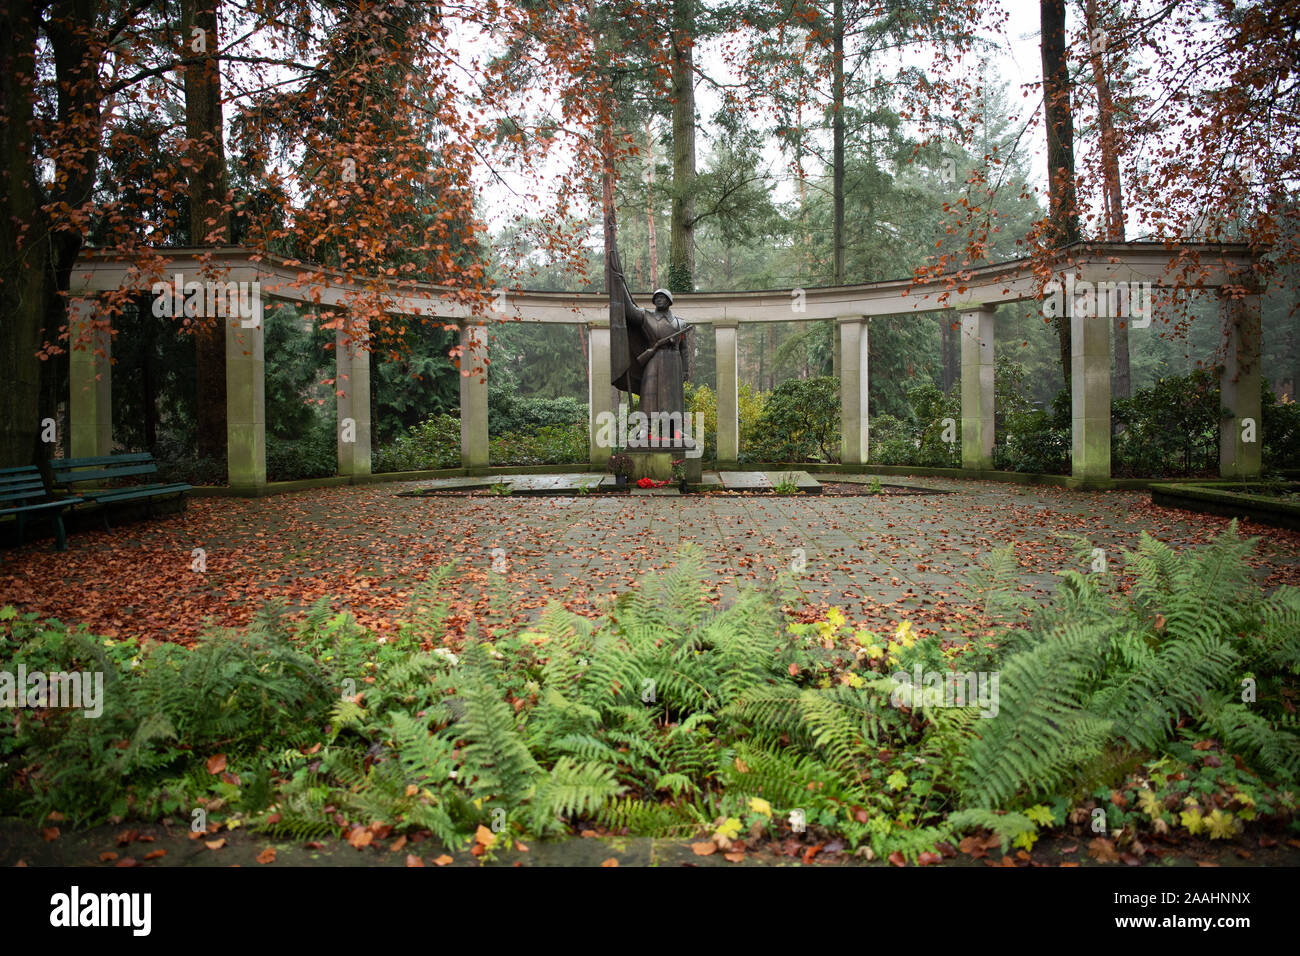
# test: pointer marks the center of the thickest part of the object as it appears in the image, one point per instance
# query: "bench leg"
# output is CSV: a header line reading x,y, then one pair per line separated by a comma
x,y
60,536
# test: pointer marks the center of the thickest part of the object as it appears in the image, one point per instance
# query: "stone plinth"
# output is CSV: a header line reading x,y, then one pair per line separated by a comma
x,y
651,464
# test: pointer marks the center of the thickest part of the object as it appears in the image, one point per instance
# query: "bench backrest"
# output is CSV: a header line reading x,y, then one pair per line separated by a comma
x,y
69,470
21,484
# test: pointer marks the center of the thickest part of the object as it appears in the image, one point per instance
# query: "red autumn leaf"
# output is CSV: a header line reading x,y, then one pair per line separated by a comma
x,y
267,855
216,764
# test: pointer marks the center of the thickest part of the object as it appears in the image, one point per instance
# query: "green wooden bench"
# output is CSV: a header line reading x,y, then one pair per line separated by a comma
x,y
23,494
70,472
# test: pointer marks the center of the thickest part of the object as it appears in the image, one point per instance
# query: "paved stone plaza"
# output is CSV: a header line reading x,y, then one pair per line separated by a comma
x,y
879,558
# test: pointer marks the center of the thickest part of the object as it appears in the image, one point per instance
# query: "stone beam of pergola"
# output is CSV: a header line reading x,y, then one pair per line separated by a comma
x,y
973,295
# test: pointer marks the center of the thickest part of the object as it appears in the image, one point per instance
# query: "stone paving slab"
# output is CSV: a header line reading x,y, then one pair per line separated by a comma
x,y
22,844
891,483
462,483
767,480
553,484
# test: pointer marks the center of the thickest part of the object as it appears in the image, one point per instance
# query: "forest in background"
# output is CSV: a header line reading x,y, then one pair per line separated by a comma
x,y
723,145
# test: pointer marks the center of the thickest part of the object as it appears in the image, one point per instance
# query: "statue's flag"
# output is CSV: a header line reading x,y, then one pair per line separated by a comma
x,y
625,342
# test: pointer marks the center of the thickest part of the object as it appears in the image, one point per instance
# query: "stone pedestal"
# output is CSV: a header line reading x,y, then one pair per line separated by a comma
x,y
658,464
651,464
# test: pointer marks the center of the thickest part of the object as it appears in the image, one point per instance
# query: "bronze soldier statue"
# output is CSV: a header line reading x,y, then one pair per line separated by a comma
x,y
650,353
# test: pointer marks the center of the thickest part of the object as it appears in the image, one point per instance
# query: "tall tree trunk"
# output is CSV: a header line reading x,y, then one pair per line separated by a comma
x,y
34,273
76,62
1063,206
681,265
837,136
209,216
610,220
25,268
1111,180
650,203
607,194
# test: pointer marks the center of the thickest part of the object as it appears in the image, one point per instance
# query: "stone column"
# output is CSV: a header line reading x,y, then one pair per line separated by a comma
x,y
599,395
246,403
90,392
724,336
352,388
473,399
977,388
1089,396
835,353
853,389
1241,427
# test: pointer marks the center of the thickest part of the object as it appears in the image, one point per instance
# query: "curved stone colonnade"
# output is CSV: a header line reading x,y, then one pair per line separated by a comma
x,y
973,294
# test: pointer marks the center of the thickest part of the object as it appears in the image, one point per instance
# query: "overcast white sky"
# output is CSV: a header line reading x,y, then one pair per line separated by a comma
x,y
1014,60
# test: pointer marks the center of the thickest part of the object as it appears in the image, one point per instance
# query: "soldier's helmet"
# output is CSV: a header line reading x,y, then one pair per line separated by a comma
x,y
663,292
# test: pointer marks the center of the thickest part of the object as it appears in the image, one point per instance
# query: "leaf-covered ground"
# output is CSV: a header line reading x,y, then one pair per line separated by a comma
x,y
157,845
880,559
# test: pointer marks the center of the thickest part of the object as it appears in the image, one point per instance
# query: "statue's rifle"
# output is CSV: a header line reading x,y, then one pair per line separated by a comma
x,y
645,356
